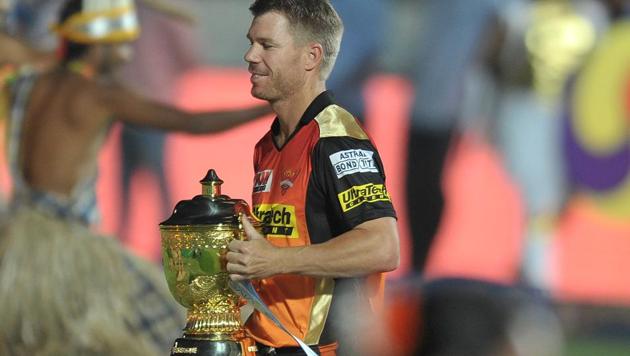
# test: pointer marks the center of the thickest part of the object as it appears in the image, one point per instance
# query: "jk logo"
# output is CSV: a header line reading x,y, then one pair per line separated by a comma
x,y
262,181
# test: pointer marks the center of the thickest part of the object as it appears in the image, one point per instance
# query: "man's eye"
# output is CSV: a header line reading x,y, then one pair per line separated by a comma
x,y
266,45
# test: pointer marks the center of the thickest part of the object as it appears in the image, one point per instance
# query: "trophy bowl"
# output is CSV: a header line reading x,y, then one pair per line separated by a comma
x,y
194,243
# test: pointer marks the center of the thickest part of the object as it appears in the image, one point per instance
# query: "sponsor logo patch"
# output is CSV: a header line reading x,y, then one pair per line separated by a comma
x,y
278,220
360,194
262,181
353,161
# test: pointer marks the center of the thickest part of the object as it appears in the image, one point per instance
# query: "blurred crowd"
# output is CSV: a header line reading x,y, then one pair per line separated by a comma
x,y
544,84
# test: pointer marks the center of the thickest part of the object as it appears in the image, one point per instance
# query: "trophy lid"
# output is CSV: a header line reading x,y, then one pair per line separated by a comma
x,y
209,208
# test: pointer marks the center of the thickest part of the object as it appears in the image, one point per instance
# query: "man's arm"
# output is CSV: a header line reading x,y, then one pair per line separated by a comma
x,y
14,51
129,107
370,247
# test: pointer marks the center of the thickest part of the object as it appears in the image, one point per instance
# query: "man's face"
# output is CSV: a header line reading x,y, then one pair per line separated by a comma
x,y
112,56
274,58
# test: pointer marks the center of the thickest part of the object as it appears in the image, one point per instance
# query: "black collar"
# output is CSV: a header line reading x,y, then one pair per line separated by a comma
x,y
321,102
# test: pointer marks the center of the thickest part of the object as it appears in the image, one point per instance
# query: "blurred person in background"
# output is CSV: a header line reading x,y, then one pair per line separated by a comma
x,y
32,20
363,36
464,317
64,289
453,36
164,51
15,50
6,6
15,54
544,41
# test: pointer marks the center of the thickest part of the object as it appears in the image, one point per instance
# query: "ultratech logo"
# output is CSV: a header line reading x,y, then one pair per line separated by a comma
x,y
278,220
359,194
262,181
353,161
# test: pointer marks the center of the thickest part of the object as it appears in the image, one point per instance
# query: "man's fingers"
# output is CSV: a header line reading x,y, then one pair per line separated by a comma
x,y
234,257
237,277
235,268
236,245
251,233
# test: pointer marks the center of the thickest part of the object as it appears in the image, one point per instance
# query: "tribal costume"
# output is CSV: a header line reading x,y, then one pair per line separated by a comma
x,y
64,289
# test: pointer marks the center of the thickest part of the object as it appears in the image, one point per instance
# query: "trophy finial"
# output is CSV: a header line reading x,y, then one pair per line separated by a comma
x,y
211,184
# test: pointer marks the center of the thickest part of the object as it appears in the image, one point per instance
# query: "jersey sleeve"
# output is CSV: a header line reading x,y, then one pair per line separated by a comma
x,y
350,174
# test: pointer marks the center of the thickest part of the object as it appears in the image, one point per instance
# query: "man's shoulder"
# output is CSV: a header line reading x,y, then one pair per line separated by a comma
x,y
335,121
69,82
84,97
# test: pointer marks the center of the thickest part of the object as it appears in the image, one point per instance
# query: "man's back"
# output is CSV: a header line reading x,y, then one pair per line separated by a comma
x,y
53,262
64,127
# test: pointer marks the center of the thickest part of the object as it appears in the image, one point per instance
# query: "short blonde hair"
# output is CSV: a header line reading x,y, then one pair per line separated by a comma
x,y
315,20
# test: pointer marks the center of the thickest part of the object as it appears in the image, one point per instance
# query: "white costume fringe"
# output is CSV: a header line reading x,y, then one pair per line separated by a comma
x,y
67,291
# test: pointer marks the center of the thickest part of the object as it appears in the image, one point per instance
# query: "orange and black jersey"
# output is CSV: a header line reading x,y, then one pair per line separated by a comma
x,y
326,179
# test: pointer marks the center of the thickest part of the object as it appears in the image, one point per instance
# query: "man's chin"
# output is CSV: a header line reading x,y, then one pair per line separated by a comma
x,y
258,94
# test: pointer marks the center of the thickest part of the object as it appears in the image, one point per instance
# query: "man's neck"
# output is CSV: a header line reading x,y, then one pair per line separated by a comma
x,y
290,110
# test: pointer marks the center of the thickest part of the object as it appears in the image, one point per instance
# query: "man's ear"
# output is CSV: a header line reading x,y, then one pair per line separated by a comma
x,y
314,56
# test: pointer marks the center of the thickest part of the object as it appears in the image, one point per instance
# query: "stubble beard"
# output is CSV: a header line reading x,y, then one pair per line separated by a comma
x,y
278,89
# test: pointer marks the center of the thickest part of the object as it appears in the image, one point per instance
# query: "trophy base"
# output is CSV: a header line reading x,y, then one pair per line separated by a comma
x,y
200,347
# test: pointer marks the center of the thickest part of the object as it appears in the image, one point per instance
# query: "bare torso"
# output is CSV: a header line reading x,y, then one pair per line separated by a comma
x,y
63,129
68,115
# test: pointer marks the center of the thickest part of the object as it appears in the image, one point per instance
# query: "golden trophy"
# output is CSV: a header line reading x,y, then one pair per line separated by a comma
x,y
194,241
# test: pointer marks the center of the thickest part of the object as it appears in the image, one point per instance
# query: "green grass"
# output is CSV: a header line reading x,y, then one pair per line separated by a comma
x,y
597,348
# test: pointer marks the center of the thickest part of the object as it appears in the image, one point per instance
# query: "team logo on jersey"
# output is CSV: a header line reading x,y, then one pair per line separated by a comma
x,y
289,176
262,181
285,185
353,161
278,220
360,194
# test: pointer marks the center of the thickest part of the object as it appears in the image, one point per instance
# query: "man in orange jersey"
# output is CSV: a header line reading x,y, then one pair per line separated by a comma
x,y
319,189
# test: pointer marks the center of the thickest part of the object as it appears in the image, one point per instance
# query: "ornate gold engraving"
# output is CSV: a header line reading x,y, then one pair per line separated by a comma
x,y
195,271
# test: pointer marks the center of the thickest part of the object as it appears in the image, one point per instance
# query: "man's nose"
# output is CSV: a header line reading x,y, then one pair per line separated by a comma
x,y
251,56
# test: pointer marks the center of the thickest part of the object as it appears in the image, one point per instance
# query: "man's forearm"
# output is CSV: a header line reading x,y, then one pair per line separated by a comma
x,y
223,120
369,248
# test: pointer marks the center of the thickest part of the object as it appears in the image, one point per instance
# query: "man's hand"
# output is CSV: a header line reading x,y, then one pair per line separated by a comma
x,y
252,259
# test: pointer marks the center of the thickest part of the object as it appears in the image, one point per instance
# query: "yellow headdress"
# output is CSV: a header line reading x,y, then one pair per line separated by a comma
x,y
101,21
